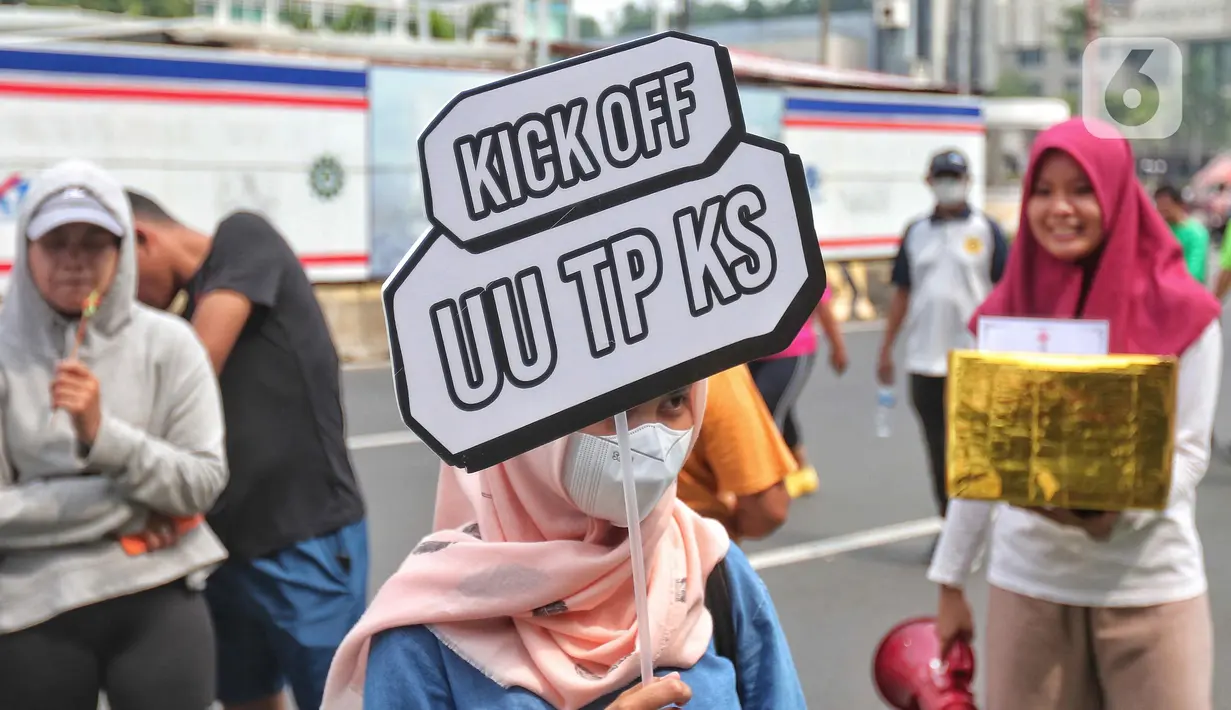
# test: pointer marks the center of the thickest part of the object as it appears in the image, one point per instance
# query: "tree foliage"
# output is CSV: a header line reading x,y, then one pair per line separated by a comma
x,y
1011,83
484,17
145,8
588,27
487,17
1072,27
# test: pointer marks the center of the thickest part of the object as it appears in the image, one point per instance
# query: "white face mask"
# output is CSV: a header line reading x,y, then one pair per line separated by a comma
x,y
594,480
950,192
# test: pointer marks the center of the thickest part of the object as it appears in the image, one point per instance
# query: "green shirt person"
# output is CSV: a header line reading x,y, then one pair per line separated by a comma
x,y
1224,266
1194,238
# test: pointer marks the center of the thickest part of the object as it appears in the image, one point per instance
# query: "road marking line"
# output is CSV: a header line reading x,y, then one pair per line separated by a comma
x,y
841,544
365,366
870,326
377,441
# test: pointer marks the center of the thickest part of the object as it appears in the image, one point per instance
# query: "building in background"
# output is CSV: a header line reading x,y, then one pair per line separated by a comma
x,y
910,37
852,38
951,42
1032,52
1202,28
1040,45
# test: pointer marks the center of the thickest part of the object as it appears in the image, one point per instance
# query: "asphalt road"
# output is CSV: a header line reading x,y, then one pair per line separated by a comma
x,y
842,571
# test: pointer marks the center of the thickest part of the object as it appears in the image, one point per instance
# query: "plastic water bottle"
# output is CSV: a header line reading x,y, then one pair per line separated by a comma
x,y
885,400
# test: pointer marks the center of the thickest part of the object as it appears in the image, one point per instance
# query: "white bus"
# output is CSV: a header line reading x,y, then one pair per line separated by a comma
x,y
205,131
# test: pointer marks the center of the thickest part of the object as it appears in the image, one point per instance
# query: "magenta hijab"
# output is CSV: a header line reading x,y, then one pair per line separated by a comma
x,y
1140,283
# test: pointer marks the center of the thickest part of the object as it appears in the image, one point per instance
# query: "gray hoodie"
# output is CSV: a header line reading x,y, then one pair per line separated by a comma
x,y
159,447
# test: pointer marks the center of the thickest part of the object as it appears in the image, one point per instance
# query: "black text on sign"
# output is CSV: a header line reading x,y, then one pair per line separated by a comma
x,y
531,338
505,165
557,144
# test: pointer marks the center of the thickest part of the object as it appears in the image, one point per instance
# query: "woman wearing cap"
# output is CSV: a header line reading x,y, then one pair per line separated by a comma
x,y
523,599
108,433
1110,610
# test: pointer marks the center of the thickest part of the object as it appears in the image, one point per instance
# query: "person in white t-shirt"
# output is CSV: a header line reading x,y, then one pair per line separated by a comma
x,y
1102,610
946,265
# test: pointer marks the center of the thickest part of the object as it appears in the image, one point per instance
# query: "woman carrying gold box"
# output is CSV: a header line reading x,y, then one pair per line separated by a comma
x,y
1102,610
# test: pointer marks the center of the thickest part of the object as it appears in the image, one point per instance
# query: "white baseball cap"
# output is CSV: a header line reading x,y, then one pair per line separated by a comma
x,y
73,205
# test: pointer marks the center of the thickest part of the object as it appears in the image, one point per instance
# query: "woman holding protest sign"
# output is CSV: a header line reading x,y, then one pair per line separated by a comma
x,y
1103,609
524,596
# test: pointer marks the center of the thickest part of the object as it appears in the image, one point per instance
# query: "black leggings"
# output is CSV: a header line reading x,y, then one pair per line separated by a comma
x,y
781,381
152,650
928,396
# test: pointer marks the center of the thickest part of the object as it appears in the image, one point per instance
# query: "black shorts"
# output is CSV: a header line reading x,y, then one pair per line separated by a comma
x,y
153,650
781,382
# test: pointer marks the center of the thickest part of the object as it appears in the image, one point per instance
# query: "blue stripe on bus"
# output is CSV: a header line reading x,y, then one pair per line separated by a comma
x,y
879,108
169,68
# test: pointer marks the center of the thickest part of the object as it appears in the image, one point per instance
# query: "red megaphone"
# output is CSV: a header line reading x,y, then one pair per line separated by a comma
x,y
911,675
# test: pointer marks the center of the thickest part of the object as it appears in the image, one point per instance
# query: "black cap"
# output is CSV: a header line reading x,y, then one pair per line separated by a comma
x,y
949,162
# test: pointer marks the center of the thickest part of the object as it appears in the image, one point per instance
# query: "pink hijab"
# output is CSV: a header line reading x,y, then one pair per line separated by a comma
x,y
534,593
1140,285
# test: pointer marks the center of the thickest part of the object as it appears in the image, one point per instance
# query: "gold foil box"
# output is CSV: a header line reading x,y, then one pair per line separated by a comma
x,y
1066,431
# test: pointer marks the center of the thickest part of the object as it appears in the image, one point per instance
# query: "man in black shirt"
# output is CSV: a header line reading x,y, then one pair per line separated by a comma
x,y
292,516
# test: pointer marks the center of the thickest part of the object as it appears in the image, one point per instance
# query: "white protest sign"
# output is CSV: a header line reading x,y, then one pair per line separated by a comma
x,y
598,315
695,268
1064,336
516,156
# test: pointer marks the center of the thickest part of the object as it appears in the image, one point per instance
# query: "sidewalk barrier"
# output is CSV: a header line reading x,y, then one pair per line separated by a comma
x,y
356,321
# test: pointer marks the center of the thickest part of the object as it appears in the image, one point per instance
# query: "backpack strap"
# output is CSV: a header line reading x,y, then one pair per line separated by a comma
x,y
718,602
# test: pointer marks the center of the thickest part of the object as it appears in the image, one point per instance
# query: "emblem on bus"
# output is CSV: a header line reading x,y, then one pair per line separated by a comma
x,y
326,177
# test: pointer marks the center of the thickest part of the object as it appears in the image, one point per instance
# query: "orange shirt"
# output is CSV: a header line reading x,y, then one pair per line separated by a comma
x,y
739,451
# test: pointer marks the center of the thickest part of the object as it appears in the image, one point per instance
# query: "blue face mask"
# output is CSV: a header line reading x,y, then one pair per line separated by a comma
x,y
594,480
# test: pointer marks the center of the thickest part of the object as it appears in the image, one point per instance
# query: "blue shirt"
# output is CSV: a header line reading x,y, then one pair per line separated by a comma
x,y
410,669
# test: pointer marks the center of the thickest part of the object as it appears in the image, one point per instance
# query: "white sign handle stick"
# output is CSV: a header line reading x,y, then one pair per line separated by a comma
x,y
634,542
